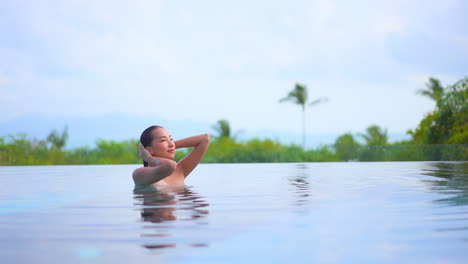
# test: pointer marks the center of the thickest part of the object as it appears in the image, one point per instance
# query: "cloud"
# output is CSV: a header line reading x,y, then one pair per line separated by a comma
x,y
430,52
232,60
86,38
419,80
3,79
322,12
432,38
389,24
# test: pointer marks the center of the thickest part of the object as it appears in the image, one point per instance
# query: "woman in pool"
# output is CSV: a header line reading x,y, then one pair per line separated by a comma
x,y
158,152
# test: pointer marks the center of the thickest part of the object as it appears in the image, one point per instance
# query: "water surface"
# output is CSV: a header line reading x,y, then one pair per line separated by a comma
x,y
394,212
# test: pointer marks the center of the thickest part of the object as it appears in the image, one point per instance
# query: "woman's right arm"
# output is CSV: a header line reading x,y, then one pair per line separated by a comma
x,y
149,175
159,168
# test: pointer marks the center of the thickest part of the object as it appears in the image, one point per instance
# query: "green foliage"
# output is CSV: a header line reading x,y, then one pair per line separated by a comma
x,y
448,123
228,150
347,148
112,152
321,154
223,128
434,90
58,140
19,150
420,134
441,135
223,150
375,136
298,96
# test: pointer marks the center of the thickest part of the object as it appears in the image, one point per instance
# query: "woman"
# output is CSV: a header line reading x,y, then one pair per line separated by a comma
x,y
158,152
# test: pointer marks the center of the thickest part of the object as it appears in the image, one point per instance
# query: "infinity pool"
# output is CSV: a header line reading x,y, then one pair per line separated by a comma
x,y
395,212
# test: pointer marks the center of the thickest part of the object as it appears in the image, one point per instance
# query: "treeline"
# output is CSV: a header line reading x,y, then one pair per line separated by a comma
x,y
441,135
19,150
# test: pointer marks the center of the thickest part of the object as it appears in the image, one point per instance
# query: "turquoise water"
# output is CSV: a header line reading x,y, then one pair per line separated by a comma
x,y
395,212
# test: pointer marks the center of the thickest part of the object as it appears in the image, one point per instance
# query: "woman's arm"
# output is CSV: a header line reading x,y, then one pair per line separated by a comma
x,y
159,168
200,144
150,175
192,142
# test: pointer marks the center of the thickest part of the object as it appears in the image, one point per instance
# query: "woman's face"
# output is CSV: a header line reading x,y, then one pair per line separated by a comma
x,y
162,145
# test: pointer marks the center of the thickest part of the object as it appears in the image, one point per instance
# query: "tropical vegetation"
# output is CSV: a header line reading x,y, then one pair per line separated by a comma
x,y
441,135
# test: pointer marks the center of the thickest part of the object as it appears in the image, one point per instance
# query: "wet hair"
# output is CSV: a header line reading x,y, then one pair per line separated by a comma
x,y
146,138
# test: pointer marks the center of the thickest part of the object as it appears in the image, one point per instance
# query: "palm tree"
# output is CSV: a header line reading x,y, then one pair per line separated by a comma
x,y
58,140
375,136
223,128
299,96
434,90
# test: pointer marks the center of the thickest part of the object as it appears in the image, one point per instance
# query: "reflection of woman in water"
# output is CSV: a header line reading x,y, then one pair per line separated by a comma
x,y
158,152
167,204
161,205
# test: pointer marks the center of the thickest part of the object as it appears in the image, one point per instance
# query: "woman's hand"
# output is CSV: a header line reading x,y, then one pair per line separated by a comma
x,y
159,168
146,156
143,153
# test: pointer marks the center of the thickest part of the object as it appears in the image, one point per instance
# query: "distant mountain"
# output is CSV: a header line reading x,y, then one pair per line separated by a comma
x,y
83,131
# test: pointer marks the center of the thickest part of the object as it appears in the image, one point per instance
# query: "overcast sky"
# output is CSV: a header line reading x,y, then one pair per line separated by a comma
x,y
208,60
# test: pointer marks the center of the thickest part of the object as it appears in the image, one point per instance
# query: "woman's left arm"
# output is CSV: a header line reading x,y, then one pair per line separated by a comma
x,y
199,144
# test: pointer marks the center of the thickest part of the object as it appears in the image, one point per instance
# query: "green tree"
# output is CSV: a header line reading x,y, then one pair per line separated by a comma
x,y
347,148
223,128
455,101
434,90
299,96
448,123
376,138
20,150
57,139
114,152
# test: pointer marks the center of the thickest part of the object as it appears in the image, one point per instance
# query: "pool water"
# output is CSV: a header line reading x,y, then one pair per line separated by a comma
x,y
383,212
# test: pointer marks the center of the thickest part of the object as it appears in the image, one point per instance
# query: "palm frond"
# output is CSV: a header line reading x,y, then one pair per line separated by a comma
x,y
223,128
285,99
319,101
